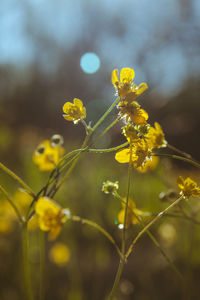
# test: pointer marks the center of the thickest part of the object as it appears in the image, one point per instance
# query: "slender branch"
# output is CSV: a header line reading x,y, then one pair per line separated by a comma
x,y
105,115
17,178
179,151
150,224
99,228
188,160
20,217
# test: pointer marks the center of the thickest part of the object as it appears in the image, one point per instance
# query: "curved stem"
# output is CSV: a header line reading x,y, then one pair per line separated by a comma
x,y
117,279
179,151
99,228
188,160
150,224
17,178
105,115
20,217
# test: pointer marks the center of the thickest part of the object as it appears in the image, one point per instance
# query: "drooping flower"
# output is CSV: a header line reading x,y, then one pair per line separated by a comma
x,y
74,111
137,154
133,112
188,187
125,86
59,254
47,155
132,212
156,137
51,216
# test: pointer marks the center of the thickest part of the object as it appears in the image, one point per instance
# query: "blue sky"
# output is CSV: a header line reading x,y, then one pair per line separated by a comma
x,y
155,36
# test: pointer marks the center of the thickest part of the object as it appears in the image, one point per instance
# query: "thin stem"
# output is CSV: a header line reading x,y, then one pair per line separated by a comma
x,y
109,149
42,264
117,279
29,295
108,128
17,178
99,228
189,160
179,151
105,115
122,261
126,205
20,217
150,224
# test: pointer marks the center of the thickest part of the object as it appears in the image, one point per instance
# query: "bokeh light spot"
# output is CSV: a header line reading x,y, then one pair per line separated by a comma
x,y
90,62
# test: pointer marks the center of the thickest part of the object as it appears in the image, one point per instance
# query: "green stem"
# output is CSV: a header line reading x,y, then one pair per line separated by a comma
x,y
188,160
17,178
117,279
105,115
150,224
12,204
109,149
42,264
99,228
179,151
126,205
122,261
29,295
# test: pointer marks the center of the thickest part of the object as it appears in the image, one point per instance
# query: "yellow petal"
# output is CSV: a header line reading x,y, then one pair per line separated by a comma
x,y
114,77
78,103
67,106
127,75
141,88
44,203
123,156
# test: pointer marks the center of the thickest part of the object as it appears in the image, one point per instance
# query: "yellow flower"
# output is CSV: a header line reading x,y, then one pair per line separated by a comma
x,y
51,216
125,85
138,154
188,187
133,112
149,165
110,187
156,136
74,111
47,155
59,254
130,218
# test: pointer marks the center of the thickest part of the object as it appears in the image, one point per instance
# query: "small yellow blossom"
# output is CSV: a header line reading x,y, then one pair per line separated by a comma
x,y
188,187
133,112
47,155
59,254
74,111
131,212
125,85
156,136
110,187
51,216
138,154
149,165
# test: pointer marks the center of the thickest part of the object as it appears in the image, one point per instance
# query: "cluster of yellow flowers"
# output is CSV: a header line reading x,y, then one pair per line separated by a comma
x,y
141,136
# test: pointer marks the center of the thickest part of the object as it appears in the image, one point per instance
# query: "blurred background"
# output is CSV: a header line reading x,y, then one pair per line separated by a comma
x,y
54,51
